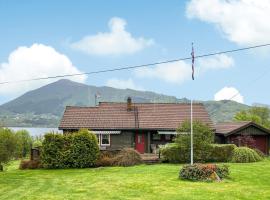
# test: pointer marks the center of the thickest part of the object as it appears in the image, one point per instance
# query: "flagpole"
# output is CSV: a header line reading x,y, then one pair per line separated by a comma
x,y
191,132
191,110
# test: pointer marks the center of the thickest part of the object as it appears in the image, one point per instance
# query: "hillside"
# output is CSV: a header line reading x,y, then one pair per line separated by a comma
x,y
44,106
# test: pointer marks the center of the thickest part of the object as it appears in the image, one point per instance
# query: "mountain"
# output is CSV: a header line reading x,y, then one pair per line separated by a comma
x,y
44,106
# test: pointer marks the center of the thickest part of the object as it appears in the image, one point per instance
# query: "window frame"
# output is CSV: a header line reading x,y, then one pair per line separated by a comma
x,y
101,137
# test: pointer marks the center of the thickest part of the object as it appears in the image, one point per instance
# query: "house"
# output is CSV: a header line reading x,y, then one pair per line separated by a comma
x,y
142,126
229,132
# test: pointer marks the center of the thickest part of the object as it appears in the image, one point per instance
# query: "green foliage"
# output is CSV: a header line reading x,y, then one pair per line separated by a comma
x,y
24,143
204,172
127,157
202,138
221,152
52,151
84,149
76,150
259,115
172,153
7,146
245,155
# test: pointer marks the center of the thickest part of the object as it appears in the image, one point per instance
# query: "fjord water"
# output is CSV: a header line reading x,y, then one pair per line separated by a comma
x,y
36,131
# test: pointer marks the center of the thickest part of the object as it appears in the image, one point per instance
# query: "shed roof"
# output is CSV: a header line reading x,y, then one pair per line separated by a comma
x,y
228,128
115,116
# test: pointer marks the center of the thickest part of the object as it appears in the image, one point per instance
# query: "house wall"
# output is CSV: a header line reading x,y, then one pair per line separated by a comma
x,y
251,130
123,140
261,138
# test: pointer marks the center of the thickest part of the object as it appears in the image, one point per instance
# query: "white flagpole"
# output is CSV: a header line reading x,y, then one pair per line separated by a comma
x,y
191,132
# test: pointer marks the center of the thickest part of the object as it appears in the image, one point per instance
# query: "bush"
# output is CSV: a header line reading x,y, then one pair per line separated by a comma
x,y
245,155
30,164
127,157
203,136
76,150
7,146
52,155
221,152
261,154
84,150
204,172
24,143
171,153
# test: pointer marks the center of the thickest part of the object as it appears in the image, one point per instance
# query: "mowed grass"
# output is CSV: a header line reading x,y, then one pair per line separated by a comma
x,y
248,181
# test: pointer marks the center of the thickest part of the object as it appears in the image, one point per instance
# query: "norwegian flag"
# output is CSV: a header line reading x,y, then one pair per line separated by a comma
x,y
193,61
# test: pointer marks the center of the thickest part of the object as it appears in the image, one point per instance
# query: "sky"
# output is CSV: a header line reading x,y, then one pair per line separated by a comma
x,y
48,38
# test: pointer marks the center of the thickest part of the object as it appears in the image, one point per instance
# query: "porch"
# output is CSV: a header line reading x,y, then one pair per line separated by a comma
x,y
148,142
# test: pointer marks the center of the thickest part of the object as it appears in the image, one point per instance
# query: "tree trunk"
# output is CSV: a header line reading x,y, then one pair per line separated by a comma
x,y
1,167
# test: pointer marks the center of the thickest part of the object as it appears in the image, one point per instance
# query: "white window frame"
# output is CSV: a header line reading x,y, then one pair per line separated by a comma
x,y
100,140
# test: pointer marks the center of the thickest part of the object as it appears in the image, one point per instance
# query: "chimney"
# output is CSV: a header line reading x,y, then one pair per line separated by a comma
x,y
129,104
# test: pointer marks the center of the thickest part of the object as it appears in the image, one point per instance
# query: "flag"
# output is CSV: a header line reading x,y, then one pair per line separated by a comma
x,y
193,60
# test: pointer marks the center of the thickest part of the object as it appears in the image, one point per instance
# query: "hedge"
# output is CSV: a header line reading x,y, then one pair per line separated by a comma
x,y
173,153
221,152
76,150
245,155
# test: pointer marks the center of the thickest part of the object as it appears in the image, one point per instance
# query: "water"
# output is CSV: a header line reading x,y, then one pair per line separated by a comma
x,y
36,131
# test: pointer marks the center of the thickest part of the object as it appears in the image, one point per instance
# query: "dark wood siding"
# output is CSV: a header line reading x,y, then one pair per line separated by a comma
x,y
251,130
120,141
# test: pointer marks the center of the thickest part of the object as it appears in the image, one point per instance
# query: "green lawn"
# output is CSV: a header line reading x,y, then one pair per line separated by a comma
x,y
248,181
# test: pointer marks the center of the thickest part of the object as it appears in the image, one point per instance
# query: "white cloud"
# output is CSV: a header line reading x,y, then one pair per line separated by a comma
x,y
35,61
123,84
176,72
229,93
180,71
221,61
116,42
245,22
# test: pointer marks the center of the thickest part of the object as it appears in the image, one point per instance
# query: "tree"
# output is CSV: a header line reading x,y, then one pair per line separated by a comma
x,y
203,136
7,146
259,115
24,143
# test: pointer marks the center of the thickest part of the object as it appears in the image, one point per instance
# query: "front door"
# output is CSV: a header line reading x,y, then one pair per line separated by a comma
x,y
139,142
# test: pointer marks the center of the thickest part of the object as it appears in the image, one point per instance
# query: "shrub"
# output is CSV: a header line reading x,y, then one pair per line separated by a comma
x,y
127,157
221,152
7,146
260,153
52,154
203,136
203,172
222,171
30,164
84,150
24,143
171,153
76,150
245,155
106,158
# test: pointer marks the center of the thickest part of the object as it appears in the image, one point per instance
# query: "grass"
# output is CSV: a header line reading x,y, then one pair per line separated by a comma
x,y
248,181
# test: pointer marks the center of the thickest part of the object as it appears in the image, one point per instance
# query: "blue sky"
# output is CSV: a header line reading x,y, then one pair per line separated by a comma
x,y
35,35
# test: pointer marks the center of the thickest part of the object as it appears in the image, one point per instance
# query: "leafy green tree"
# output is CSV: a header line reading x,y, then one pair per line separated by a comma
x,y
24,143
203,136
7,146
259,115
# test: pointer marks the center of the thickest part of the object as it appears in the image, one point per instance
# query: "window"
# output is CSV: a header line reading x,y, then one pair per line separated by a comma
x,y
156,136
167,137
105,139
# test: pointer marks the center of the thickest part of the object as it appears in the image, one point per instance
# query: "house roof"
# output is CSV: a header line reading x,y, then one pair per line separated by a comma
x,y
228,128
115,116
